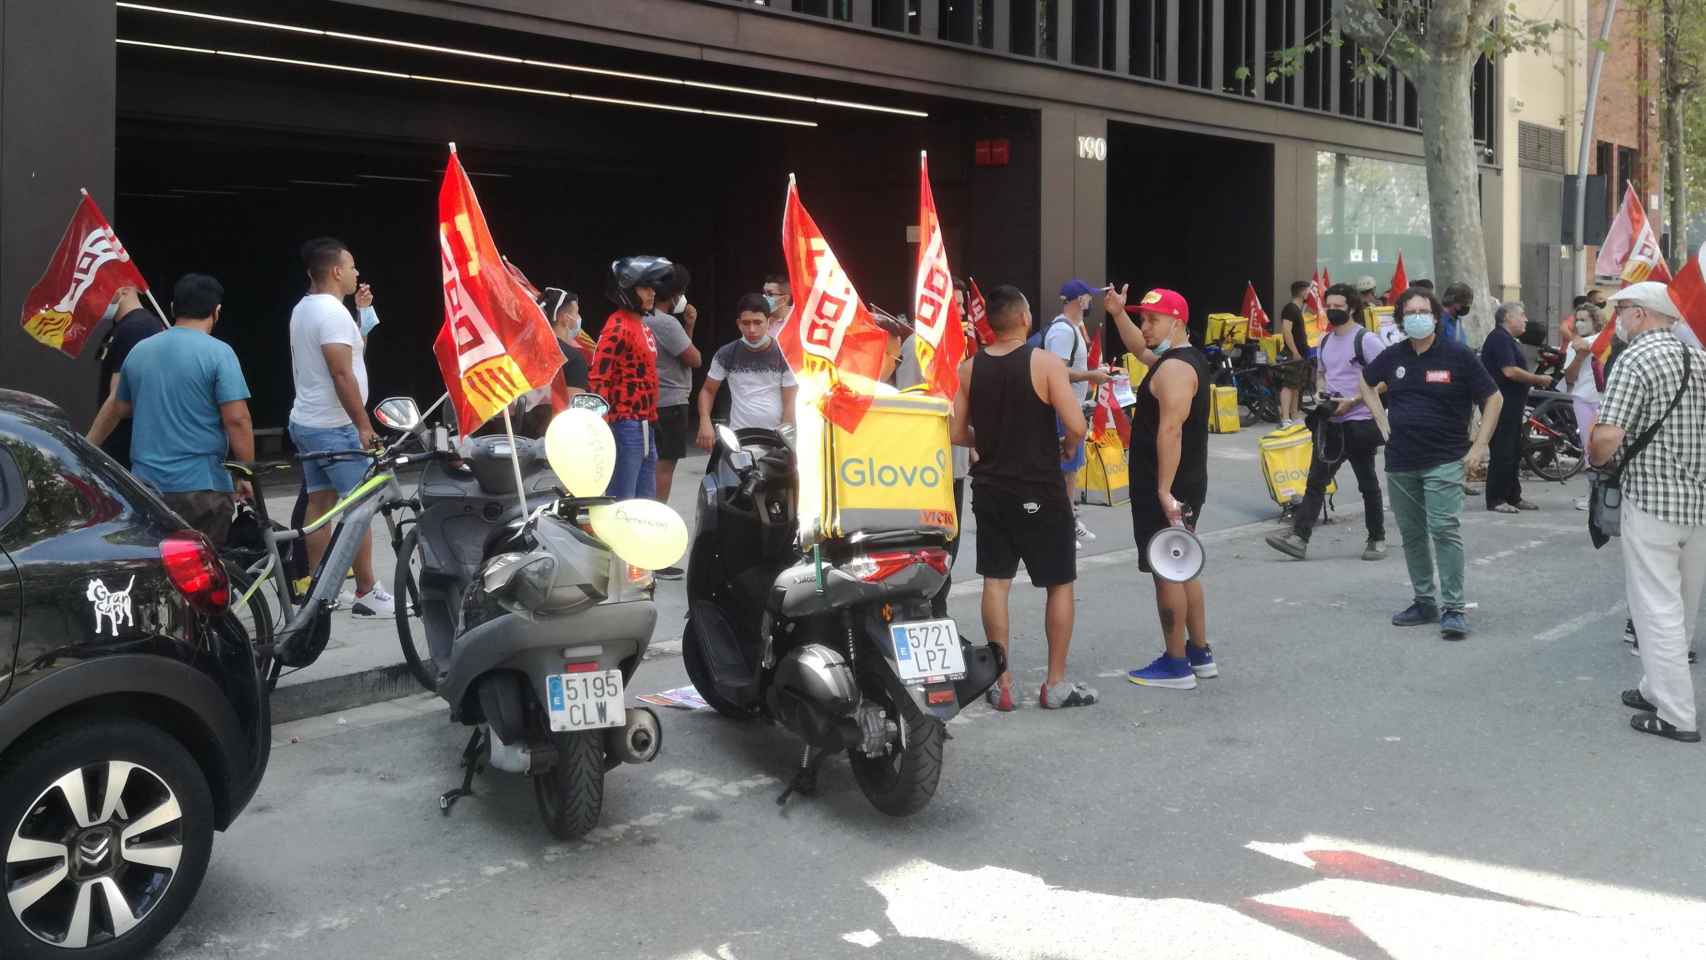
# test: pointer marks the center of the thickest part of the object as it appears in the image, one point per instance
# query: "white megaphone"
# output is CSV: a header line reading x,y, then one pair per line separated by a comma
x,y
1175,555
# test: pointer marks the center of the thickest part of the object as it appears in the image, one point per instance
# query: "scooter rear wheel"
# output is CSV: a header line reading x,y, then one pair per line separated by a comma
x,y
571,794
903,782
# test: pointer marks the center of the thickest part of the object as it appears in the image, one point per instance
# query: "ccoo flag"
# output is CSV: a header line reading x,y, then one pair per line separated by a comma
x,y
829,339
495,344
979,311
1253,312
1631,249
86,272
940,342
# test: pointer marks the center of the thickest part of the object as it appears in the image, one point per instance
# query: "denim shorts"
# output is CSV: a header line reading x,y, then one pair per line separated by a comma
x,y
1076,462
340,475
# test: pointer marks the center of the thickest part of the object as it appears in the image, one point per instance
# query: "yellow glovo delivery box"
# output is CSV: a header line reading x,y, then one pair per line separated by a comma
x,y
895,472
1223,411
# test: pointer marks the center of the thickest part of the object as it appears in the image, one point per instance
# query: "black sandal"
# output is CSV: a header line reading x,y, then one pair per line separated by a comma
x,y
1634,701
1650,723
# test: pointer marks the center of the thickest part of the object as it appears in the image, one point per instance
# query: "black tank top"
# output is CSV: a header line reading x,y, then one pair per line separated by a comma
x,y
1018,449
1190,482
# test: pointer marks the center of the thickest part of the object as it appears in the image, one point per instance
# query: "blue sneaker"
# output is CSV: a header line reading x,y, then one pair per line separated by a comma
x,y
1202,661
1416,614
1453,625
1170,672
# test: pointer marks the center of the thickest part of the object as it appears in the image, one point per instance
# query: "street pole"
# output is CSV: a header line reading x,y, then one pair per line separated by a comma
x,y
1587,123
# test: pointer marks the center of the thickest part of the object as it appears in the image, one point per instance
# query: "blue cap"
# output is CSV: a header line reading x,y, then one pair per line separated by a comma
x,y
1075,288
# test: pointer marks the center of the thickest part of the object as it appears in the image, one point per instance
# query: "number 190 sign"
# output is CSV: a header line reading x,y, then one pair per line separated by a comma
x,y
1093,148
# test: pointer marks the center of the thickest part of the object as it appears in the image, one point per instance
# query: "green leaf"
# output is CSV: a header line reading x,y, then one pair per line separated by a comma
x,y
1242,73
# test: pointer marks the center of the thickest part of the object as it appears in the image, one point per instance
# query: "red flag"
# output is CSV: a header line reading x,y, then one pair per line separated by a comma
x,y
84,276
1107,410
1631,249
938,339
1688,291
829,339
1400,281
1326,281
1253,312
979,311
1312,300
495,344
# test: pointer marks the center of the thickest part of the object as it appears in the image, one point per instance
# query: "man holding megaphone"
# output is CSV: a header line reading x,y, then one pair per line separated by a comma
x,y
1169,471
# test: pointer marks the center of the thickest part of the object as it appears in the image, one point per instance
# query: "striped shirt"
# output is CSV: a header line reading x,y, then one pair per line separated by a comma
x,y
1668,478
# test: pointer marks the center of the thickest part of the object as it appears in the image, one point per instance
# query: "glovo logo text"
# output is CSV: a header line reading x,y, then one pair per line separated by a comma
x,y
870,472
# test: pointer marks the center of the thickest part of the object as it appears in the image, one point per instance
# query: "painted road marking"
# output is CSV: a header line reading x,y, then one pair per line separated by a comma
x,y
1573,624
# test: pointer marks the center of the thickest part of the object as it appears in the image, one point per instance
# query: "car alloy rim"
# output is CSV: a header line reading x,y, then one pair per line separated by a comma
x,y
94,854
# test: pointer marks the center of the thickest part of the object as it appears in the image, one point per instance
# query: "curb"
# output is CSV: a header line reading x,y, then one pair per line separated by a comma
x,y
312,698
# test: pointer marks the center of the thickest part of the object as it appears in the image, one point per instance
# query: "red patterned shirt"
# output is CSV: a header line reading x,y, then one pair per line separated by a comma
x,y
625,368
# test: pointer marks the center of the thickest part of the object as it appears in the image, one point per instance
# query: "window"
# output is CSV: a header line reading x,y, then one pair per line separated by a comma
x,y
1316,93
1149,38
901,15
1238,47
1283,17
1022,26
1086,36
1367,212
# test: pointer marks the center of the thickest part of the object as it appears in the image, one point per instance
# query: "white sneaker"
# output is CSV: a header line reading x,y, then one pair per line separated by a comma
x,y
1581,503
1080,531
373,603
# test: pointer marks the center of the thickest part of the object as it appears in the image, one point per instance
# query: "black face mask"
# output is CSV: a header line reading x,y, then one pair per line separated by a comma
x,y
1338,318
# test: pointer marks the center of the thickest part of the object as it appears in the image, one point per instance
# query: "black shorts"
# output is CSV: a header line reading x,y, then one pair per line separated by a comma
x,y
1147,520
672,432
1036,530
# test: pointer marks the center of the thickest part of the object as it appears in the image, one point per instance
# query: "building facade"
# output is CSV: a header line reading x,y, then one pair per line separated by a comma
x,y
1133,141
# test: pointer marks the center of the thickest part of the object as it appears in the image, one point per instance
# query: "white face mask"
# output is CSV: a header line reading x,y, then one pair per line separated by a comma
x,y
1167,344
758,344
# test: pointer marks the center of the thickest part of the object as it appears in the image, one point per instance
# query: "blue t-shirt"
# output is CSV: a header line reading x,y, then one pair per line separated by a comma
x,y
175,382
1451,330
1429,398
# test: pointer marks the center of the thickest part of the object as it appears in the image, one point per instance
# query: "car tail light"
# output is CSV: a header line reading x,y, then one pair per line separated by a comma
x,y
875,567
196,571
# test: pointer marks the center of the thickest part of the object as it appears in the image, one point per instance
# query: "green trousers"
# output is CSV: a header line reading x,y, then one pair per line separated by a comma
x,y
1427,504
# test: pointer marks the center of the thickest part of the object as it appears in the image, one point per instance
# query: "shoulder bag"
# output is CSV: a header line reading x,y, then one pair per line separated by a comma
x,y
1605,487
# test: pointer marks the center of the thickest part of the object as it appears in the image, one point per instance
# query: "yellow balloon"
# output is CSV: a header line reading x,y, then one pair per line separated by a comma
x,y
582,452
644,533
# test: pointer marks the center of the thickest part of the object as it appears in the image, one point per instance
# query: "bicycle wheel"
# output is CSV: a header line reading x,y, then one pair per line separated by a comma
x,y
411,630
1551,447
254,616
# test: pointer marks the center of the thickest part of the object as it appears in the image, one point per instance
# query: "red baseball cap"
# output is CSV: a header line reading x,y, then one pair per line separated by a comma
x,y
1164,302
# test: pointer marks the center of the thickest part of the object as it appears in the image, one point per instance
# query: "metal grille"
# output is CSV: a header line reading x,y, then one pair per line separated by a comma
x,y
1540,148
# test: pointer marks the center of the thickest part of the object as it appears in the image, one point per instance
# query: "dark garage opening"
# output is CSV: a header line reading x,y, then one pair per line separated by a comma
x,y
226,165
1193,213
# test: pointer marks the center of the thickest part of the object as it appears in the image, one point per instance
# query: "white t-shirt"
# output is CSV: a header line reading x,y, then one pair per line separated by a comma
x,y
755,380
1062,339
1584,388
319,319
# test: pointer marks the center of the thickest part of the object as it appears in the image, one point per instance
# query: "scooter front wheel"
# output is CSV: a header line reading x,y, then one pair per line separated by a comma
x,y
571,793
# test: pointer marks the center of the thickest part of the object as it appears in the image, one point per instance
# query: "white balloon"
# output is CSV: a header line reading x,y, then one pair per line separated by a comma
x,y
582,452
644,533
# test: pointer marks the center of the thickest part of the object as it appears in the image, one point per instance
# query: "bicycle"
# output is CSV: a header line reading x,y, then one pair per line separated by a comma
x,y
1551,443
291,628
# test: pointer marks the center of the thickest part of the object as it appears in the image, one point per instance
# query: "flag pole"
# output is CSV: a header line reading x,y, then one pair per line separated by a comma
x,y
515,461
164,318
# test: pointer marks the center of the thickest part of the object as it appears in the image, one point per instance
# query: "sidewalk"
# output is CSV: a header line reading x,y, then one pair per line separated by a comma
x,y
363,662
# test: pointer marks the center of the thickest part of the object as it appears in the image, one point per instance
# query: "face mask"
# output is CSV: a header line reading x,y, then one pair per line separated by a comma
x,y
1167,344
1418,326
679,307
762,342
1623,324
1338,318
369,320
773,301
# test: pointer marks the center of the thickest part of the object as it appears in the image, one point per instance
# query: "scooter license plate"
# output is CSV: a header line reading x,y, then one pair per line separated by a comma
x,y
928,648
584,701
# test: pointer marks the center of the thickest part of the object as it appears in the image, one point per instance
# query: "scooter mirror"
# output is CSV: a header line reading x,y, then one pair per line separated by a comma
x,y
398,413
589,401
728,438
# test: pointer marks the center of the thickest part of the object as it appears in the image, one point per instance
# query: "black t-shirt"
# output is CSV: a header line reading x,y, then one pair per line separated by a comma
x,y
128,331
1429,398
1499,351
1293,314
574,365
1190,481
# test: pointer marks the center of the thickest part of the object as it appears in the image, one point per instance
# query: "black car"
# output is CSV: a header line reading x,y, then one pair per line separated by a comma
x,y
132,722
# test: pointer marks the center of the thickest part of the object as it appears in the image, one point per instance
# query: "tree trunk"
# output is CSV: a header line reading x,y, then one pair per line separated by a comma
x,y
1674,91
1454,188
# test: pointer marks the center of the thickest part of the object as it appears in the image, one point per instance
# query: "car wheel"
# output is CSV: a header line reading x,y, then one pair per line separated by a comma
x,y
107,827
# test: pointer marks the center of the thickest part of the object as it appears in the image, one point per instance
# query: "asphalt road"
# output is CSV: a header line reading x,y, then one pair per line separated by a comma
x,y
1345,788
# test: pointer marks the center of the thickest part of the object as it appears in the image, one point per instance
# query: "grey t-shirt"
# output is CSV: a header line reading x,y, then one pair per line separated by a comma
x,y
675,380
1062,339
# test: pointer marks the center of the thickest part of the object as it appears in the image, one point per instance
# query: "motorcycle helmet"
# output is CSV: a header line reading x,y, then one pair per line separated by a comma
x,y
630,272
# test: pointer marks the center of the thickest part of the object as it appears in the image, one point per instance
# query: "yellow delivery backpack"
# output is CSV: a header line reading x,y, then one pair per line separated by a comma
x,y
1286,454
1104,478
896,472
1223,410
1227,330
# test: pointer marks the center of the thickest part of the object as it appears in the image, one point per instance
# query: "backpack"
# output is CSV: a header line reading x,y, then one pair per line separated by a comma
x,y
1036,339
1357,358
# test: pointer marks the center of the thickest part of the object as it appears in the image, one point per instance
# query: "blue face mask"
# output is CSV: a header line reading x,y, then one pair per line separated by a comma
x,y
772,301
1418,326
369,320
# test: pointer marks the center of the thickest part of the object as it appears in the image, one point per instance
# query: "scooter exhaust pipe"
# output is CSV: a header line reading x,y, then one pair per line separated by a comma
x,y
639,739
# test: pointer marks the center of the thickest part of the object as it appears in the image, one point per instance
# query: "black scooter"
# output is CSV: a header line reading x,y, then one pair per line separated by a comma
x,y
533,628
837,645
